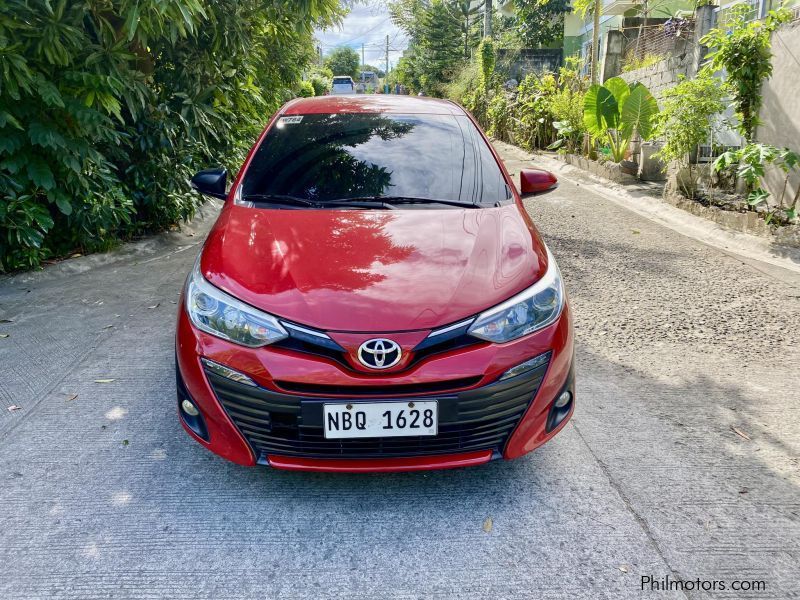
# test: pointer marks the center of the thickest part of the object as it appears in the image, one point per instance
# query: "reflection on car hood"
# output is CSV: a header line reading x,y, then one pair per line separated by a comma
x,y
373,271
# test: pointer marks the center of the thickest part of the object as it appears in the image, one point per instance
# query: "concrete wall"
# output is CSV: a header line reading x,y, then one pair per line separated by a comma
x,y
664,74
531,60
685,59
780,112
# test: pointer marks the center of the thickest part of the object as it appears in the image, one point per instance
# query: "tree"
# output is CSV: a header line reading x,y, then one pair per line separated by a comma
x,y
344,61
742,48
582,7
107,108
686,117
435,45
468,9
540,22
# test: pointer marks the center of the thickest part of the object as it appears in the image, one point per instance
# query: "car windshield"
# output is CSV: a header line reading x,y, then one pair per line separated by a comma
x,y
340,80
327,157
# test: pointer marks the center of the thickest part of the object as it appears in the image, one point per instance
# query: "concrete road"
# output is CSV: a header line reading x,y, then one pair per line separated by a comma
x,y
681,461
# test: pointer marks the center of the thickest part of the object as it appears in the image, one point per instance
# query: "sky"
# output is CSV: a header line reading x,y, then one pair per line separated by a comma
x,y
367,23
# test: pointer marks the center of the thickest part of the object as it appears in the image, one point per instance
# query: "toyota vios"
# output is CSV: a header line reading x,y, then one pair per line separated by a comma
x,y
373,297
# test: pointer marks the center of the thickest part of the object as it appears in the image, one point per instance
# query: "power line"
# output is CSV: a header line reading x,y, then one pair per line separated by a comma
x,y
363,33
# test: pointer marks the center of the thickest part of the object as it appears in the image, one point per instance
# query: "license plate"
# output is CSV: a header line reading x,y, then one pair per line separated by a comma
x,y
380,419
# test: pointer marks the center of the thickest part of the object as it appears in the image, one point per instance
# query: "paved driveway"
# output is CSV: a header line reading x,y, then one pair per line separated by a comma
x,y
681,461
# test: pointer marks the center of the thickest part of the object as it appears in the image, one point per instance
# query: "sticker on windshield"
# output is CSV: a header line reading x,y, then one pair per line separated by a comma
x,y
289,120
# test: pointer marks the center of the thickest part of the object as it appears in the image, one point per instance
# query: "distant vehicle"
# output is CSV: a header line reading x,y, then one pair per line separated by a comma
x,y
342,85
369,79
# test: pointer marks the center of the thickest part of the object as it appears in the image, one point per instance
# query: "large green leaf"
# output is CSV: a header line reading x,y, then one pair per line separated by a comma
x,y
620,88
40,174
600,110
638,112
45,136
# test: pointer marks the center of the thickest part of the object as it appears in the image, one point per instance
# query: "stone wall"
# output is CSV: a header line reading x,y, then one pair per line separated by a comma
x,y
530,60
664,74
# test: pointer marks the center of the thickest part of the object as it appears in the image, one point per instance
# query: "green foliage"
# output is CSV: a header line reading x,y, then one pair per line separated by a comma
x,y
319,85
486,62
321,79
638,110
540,110
566,107
751,163
343,61
615,111
464,83
742,49
540,22
435,52
106,109
582,7
600,111
533,116
648,60
406,72
470,13
305,89
686,114
499,116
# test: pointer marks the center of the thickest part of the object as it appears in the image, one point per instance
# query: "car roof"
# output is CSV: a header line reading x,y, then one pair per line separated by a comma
x,y
371,103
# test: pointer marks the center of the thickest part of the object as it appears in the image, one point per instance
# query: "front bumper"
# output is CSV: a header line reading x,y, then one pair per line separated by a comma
x,y
268,425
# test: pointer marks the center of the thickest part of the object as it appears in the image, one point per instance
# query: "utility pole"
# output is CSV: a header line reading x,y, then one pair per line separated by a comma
x,y
487,18
598,8
386,72
362,55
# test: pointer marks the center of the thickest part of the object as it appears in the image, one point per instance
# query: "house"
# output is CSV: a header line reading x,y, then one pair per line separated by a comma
x,y
632,16
578,31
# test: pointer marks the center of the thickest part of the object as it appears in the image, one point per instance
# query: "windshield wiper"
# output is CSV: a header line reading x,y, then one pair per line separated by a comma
x,y
359,203
394,200
280,199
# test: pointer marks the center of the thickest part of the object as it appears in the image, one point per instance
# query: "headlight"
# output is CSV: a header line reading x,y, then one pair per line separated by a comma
x,y
215,312
537,307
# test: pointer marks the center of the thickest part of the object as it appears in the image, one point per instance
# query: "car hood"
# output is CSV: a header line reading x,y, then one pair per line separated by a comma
x,y
373,270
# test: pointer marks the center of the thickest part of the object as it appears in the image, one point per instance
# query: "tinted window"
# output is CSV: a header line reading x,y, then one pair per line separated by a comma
x,y
345,80
340,156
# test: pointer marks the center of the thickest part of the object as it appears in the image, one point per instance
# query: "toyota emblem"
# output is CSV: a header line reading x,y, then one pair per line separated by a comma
x,y
379,353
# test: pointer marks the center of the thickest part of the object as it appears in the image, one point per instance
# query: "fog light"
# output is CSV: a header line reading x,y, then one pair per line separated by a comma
x,y
189,408
563,400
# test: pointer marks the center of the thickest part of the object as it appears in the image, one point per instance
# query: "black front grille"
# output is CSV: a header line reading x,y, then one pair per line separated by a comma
x,y
291,425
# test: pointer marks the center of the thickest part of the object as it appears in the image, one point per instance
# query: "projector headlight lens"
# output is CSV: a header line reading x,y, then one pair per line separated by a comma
x,y
215,312
533,309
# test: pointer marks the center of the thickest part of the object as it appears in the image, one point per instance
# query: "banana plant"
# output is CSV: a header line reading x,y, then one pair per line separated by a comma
x,y
615,111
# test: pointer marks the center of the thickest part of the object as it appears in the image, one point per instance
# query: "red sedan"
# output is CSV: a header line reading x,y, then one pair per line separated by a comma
x,y
373,297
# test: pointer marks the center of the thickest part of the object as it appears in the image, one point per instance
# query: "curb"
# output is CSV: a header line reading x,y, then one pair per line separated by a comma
x,y
645,200
189,234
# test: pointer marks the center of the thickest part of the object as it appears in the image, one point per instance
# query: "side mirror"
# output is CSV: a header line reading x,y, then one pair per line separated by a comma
x,y
536,181
211,182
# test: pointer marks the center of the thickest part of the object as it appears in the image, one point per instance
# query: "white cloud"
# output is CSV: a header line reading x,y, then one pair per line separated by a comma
x,y
368,24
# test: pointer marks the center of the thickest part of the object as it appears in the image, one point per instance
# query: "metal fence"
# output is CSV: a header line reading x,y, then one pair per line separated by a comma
x,y
661,39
